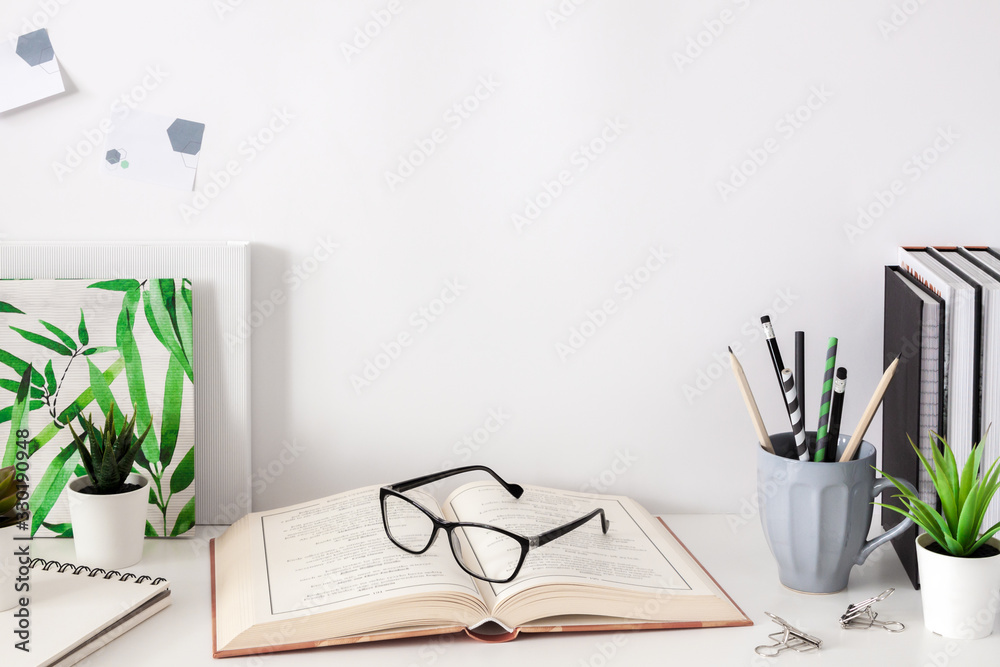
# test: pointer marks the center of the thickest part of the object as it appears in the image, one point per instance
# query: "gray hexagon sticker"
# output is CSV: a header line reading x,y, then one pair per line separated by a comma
x,y
185,136
113,156
35,47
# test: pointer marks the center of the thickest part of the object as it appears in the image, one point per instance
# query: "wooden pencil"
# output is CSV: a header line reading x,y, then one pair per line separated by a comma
x,y
869,414
758,421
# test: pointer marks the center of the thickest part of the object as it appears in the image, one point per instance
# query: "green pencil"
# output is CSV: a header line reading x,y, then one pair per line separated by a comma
x,y
822,432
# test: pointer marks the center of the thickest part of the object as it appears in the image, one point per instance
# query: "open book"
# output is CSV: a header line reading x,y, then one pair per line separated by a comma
x,y
324,573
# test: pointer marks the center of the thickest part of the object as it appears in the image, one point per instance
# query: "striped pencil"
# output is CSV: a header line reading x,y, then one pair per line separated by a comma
x,y
794,415
823,431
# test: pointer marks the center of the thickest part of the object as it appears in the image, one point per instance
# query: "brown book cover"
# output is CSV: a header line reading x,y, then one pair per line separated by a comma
x,y
358,639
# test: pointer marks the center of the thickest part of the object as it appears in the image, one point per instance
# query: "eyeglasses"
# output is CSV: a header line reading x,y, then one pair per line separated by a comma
x,y
496,554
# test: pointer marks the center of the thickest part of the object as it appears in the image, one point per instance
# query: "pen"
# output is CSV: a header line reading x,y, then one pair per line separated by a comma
x,y
824,407
836,410
794,415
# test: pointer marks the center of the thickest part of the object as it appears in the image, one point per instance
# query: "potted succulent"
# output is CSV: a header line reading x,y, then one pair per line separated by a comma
x,y
8,525
108,505
959,565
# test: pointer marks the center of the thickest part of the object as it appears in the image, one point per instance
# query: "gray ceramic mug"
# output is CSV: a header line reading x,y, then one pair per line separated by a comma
x,y
816,516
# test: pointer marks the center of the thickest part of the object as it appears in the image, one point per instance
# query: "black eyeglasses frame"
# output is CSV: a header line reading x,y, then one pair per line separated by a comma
x,y
526,543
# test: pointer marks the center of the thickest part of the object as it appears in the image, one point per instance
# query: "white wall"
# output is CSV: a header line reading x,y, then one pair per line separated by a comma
x,y
683,129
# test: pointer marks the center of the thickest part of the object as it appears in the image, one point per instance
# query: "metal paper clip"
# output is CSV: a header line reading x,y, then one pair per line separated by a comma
x,y
787,638
861,616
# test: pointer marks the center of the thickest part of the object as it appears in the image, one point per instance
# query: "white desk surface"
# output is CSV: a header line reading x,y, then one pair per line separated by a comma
x,y
731,549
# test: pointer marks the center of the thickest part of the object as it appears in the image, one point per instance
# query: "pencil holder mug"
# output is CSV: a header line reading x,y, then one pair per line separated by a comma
x,y
816,516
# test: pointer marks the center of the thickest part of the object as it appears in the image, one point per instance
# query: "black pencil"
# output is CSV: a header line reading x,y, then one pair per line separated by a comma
x,y
772,346
836,410
800,375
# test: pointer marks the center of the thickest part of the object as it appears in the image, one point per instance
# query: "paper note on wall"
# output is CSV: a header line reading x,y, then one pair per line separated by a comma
x,y
153,148
29,70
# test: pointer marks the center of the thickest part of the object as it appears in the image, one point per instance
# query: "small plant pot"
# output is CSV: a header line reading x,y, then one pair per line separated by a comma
x,y
960,596
108,530
8,568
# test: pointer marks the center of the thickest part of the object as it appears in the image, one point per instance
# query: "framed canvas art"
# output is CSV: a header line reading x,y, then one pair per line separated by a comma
x,y
121,344
219,275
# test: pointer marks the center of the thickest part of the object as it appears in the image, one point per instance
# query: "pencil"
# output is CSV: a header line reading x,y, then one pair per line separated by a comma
x,y
758,421
836,410
866,418
772,346
800,369
794,415
822,440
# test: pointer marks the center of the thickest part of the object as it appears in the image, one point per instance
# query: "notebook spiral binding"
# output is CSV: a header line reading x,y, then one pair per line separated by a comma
x,y
94,572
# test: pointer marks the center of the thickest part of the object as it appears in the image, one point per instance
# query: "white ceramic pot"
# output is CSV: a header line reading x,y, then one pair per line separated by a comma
x,y
108,531
960,596
8,568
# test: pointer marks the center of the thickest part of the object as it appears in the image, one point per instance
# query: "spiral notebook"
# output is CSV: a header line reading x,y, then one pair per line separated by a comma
x,y
74,611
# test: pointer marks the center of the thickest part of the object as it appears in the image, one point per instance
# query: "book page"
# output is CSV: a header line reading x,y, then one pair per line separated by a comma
x,y
333,553
632,555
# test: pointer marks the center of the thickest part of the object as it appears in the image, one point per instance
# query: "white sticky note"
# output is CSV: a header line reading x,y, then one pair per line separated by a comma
x,y
155,149
29,70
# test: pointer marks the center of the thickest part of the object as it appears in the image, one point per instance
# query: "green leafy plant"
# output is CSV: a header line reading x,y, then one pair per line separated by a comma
x,y
8,497
965,496
111,455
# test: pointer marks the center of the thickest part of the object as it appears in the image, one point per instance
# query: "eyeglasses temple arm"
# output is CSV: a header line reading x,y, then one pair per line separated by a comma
x,y
513,489
546,537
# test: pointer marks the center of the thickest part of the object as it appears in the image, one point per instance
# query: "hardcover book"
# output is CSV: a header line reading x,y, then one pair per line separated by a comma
x,y
988,259
962,343
914,401
324,573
